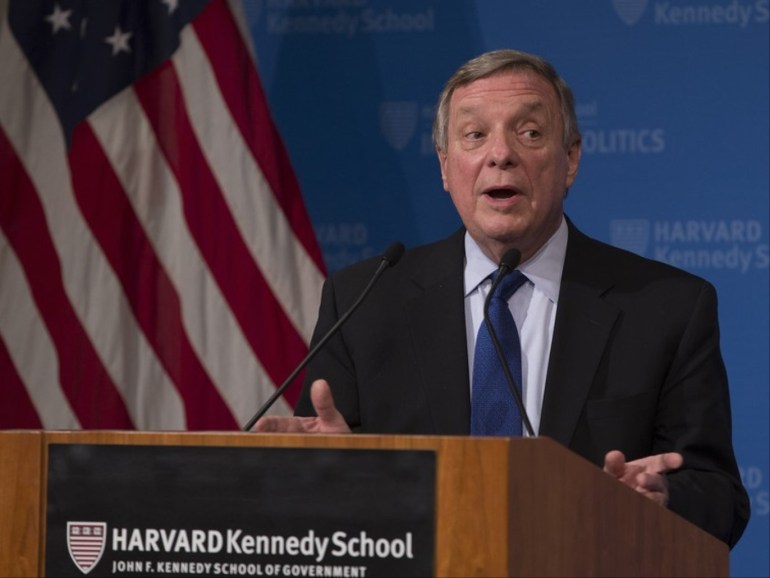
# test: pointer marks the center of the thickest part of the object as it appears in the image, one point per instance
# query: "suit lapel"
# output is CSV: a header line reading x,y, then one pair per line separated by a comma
x,y
436,317
582,329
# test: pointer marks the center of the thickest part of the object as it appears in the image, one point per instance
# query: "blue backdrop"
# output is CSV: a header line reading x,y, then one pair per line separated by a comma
x,y
673,105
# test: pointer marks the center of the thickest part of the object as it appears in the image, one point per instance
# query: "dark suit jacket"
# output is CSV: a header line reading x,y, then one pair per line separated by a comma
x,y
635,364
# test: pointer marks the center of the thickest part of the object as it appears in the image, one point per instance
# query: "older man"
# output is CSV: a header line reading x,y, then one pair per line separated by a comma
x,y
620,356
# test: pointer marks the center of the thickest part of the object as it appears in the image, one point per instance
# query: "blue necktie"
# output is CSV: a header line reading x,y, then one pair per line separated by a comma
x,y
493,408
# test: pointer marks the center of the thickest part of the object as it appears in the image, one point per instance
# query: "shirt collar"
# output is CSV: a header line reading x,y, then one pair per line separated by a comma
x,y
543,269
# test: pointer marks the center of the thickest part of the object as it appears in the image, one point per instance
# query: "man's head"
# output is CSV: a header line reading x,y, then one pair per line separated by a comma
x,y
509,147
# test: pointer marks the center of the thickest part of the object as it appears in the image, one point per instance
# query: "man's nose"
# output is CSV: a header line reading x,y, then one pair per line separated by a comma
x,y
502,150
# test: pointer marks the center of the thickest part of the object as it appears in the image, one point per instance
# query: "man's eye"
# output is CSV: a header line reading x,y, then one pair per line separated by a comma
x,y
531,134
473,135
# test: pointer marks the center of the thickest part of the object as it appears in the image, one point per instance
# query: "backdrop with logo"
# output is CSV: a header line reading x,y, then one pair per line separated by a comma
x,y
673,104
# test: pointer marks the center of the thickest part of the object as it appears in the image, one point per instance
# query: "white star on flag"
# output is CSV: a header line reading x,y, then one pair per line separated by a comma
x,y
172,5
59,19
119,41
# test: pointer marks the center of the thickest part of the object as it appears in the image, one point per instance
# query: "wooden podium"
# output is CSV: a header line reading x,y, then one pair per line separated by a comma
x,y
504,507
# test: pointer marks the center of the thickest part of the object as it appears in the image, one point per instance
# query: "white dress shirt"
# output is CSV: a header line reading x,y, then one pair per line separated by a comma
x,y
533,307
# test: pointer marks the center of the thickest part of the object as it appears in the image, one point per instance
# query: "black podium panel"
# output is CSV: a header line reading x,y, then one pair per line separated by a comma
x,y
115,510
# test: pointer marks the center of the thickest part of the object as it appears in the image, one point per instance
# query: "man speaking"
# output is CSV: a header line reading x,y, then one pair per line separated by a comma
x,y
614,356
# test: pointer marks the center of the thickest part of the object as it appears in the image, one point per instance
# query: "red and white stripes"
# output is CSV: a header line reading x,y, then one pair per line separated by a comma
x,y
162,273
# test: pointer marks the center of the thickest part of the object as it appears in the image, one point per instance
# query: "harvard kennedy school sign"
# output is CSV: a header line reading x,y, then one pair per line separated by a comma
x,y
192,511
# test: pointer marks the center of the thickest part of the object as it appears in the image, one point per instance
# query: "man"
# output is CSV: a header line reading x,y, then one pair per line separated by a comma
x,y
620,354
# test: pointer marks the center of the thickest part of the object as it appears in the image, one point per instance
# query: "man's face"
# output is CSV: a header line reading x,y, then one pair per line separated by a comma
x,y
505,165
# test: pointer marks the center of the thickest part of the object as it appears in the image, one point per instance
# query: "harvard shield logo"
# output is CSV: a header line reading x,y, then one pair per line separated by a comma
x,y
630,234
630,11
85,541
398,121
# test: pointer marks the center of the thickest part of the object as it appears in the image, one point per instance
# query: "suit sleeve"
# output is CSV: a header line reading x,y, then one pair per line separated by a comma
x,y
332,363
694,417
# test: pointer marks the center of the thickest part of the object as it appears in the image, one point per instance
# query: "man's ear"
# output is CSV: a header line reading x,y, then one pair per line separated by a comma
x,y
573,161
442,164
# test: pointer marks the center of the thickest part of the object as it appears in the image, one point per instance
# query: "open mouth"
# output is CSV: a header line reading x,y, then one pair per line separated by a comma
x,y
501,194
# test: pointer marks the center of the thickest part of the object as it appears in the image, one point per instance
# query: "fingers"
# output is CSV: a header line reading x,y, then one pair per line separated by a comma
x,y
659,463
322,400
653,486
327,420
646,482
645,475
281,424
321,397
672,461
615,463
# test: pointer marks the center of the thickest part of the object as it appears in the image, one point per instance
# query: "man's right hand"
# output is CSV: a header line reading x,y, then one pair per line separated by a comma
x,y
328,420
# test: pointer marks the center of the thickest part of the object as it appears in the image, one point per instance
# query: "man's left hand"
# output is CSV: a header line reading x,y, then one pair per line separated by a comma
x,y
645,475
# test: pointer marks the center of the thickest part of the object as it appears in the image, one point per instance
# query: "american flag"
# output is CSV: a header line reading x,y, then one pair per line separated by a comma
x,y
158,269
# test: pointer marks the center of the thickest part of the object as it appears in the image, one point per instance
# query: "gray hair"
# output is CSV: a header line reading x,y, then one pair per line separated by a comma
x,y
497,62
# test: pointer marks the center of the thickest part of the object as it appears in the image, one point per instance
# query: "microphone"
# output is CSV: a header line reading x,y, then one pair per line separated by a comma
x,y
389,258
508,263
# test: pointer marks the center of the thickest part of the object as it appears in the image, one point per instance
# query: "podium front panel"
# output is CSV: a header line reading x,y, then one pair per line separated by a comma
x,y
131,510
